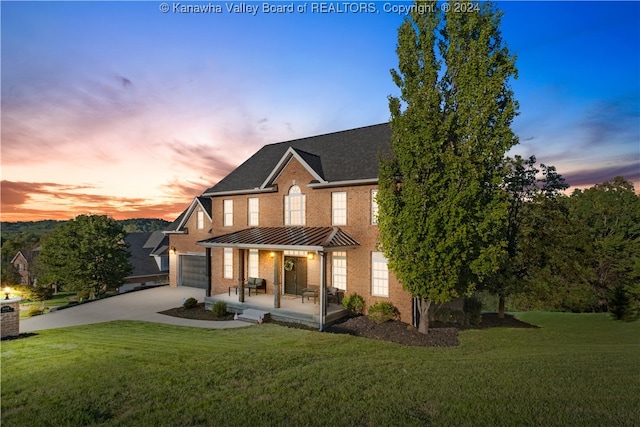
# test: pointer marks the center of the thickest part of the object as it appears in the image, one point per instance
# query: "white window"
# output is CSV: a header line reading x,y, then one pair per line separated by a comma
x,y
200,220
228,263
228,212
339,270
254,210
253,263
294,207
374,207
339,208
379,275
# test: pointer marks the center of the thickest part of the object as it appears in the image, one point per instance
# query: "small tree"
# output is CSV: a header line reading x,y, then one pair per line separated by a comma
x,y
439,200
87,253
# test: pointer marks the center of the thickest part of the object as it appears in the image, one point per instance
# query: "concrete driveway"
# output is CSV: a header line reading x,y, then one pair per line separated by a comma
x,y
141,305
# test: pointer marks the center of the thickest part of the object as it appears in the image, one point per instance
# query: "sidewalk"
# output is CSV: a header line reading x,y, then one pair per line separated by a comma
x,y
140,305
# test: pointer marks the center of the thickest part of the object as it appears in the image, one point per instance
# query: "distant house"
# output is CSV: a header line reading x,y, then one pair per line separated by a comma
x,y
23,262
149,258
303,212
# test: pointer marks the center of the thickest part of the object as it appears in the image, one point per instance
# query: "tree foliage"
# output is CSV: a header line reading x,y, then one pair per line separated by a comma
x,y
524,188
87,253
439,198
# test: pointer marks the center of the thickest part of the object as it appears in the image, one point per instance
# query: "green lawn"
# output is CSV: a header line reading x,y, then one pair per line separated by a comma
x,y
577,369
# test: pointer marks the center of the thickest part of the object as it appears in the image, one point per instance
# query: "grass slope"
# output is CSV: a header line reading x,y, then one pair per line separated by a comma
x,y
574,370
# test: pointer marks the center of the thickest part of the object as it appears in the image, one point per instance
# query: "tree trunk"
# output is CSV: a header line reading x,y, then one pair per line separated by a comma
x,y
423,308
501,307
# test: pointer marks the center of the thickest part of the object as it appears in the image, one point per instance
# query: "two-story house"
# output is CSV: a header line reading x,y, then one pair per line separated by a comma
x,y
296,213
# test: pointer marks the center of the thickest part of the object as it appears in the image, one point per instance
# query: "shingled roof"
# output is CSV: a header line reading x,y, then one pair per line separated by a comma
x,y
349,155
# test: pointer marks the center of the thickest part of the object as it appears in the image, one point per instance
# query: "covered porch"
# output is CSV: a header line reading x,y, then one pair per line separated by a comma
x,y
291,261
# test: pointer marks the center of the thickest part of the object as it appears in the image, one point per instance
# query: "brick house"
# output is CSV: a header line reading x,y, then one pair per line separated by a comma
x,y
23,262
299,213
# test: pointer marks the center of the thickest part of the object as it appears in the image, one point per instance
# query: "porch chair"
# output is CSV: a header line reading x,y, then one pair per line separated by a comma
x,y
310,291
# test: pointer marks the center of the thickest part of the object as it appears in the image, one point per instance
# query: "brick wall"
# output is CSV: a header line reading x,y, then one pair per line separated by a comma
x,y
10,317
186,243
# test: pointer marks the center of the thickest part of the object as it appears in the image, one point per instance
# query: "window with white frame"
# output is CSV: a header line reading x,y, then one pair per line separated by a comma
x,y
339,270
227,263
374,207
200,217
379,275
253,263
294,207
339,208
228,212
254,212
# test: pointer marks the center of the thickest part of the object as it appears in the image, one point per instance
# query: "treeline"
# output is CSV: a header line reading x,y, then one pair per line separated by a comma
x,y
44,227
578,253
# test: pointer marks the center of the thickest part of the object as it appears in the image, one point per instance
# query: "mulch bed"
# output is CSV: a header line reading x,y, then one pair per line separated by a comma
x,y
440,334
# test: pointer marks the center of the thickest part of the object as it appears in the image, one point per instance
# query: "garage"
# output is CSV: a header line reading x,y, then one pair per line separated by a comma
x,y
193,271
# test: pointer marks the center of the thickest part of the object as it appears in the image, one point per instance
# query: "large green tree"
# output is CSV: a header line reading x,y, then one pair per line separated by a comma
x,y
525,187
439,197
87,253
608,216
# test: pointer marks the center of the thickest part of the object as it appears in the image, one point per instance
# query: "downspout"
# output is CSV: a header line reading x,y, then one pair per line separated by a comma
x,y
323,289
208,272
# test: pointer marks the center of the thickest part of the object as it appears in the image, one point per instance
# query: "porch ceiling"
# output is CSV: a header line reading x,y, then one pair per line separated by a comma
x,y
285,238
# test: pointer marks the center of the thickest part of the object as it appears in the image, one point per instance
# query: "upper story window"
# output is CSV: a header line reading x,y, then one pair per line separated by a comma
x,y
253,213
228,212
339,208
200,218
374,207
294,207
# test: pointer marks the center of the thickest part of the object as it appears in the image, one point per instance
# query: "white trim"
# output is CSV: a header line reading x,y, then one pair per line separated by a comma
x,y
187,216
272,189
347,183
282,163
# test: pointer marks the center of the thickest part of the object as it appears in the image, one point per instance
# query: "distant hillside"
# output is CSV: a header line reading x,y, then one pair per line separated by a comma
x,y
40,228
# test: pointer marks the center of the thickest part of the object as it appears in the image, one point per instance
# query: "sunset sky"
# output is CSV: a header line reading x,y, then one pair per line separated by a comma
x,y
121,108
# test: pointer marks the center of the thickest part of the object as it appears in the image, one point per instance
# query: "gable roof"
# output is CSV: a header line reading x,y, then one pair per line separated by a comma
x,y
141,260
177,225
350,155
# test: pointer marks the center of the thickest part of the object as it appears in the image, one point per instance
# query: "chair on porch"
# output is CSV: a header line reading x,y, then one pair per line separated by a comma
x,y
310,291
335,295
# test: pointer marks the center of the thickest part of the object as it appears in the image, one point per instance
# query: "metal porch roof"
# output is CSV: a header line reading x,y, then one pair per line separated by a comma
x,y
285,238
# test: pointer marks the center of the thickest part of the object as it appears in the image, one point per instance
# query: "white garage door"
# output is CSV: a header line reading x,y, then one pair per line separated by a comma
x,y
193,271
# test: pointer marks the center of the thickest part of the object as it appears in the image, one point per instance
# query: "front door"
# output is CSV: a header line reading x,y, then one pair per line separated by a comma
x,y
295,275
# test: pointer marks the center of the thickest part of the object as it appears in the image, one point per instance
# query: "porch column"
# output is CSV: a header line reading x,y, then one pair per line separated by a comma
x,y
208,272
323,288
241,275
276,288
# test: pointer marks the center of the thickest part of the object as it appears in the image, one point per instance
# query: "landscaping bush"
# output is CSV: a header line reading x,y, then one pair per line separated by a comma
x,y
354,303
442,314
35,311
219,309
383,311
473,310
190,303
458,317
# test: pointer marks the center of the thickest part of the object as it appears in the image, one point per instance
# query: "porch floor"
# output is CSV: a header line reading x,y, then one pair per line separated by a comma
x,y
292,309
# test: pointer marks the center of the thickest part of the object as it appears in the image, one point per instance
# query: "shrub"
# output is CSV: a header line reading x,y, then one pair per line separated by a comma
x,y
34,311
442,314
354,303
473,310
458,317
219,309
383,311
190,303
